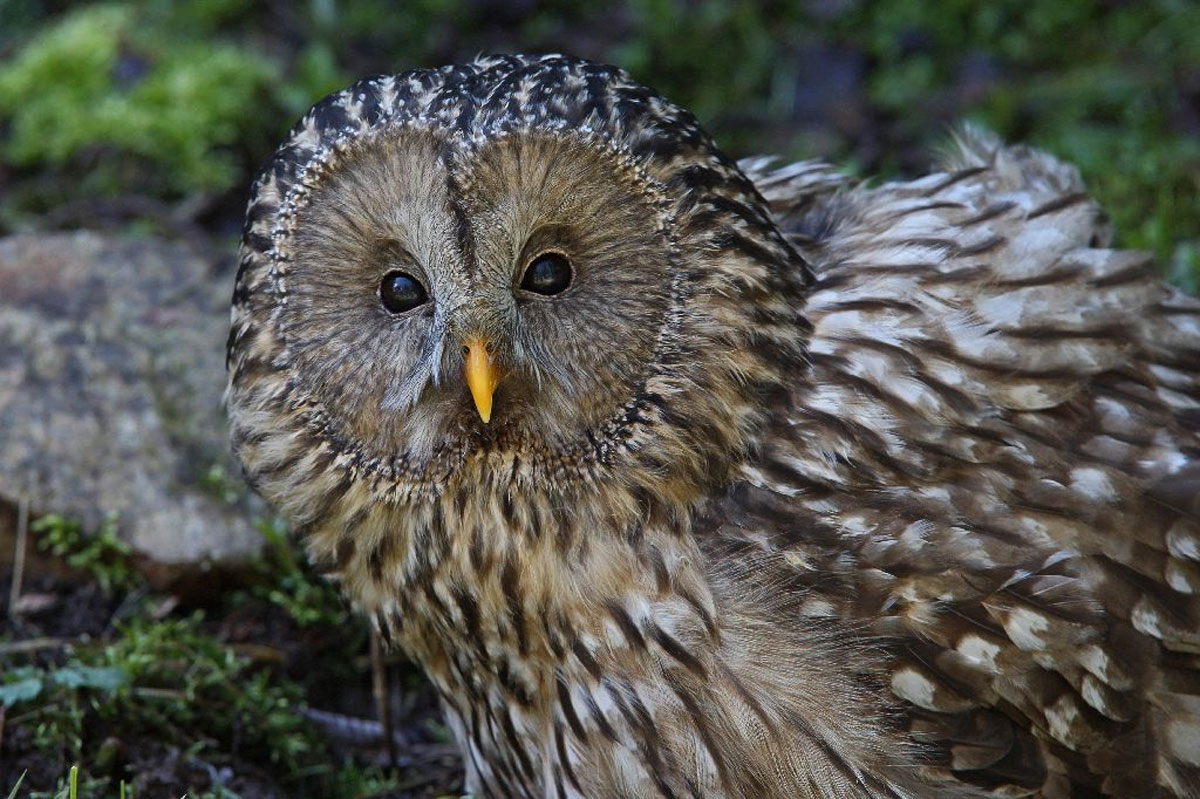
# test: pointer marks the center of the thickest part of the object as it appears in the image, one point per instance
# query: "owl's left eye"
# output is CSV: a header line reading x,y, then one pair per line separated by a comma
x,y
549,274
400,292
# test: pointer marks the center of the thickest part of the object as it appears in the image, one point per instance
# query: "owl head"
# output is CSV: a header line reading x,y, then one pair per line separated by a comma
x,y
529,268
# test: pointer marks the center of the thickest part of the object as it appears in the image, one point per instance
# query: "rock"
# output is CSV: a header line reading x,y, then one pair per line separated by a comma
x,y
111,382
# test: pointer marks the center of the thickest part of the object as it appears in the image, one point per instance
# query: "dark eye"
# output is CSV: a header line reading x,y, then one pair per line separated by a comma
x,y
400,292
549,273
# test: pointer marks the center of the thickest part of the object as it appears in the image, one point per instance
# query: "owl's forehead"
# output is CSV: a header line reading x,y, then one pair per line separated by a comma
x,y
503,93
470,105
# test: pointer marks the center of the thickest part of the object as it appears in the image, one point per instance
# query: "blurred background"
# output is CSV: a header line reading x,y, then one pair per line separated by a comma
x,y
159,632
155,114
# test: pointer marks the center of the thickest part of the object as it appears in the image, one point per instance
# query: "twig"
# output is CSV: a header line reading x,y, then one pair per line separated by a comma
x,y
159,693
18,577
34,644
260,653
361,732
348,729
412,783
379,687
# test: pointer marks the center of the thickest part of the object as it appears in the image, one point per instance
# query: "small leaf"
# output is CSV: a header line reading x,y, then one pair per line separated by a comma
x,y
104,679
20,691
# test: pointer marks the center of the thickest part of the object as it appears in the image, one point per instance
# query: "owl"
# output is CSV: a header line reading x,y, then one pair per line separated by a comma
x,y
687,477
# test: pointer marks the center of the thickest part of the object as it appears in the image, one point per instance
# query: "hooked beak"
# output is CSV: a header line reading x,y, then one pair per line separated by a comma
x,y
481,374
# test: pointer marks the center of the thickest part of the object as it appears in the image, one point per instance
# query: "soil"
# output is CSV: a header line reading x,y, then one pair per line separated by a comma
x,y
340,705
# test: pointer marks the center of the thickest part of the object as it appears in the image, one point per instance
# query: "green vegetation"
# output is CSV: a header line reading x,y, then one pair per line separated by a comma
x,y
220,484
167,680
1105,86
173,684
286,581
158,689
121,106
101,554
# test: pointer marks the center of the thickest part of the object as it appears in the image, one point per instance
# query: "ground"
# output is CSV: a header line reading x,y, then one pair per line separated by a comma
x,y
243,690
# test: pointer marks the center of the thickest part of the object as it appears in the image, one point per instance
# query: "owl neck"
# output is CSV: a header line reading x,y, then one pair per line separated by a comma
x,y
499,553
533,594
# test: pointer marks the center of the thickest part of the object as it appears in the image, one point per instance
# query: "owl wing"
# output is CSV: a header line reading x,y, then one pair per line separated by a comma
x,y
993,463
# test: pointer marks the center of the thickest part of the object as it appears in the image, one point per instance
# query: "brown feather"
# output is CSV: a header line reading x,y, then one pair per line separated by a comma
x,y
803,488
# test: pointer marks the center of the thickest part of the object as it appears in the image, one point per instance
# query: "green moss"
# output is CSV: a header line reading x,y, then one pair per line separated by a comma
x,y
289,582
101,554
117,104
169,681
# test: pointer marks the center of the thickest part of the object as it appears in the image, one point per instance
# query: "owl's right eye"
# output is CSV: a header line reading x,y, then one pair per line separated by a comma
x,y
400,292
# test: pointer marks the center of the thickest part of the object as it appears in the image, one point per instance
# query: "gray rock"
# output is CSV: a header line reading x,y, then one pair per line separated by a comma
x,y
111,377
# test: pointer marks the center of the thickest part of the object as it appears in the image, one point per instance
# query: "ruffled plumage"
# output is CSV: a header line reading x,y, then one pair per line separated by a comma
x,y
998,437
810,488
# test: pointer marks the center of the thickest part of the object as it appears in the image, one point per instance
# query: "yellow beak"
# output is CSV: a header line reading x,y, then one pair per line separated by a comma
x,y
482,376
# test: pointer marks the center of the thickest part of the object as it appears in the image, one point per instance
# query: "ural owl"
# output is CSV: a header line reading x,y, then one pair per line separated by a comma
x,y
688,477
